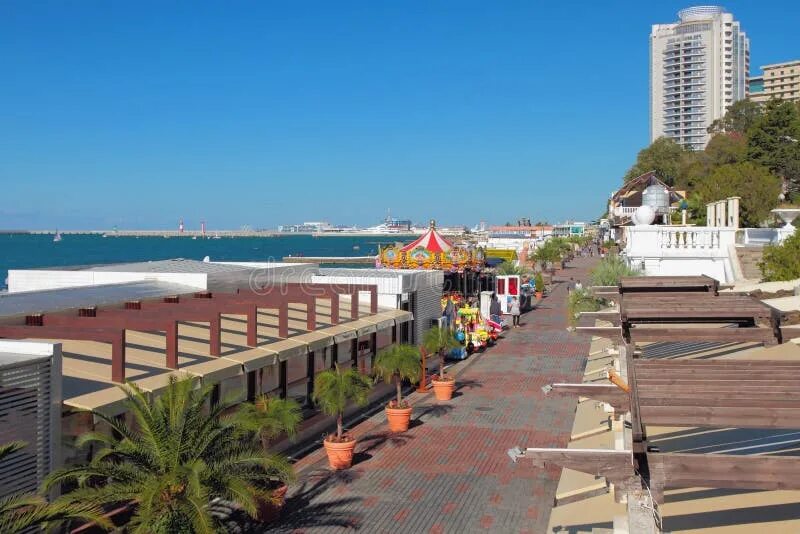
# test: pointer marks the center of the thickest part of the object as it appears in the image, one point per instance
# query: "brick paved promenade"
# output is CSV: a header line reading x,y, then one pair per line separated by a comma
x,y
450,471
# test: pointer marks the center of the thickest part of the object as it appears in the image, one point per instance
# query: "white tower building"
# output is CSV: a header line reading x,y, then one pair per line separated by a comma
x,y
698,68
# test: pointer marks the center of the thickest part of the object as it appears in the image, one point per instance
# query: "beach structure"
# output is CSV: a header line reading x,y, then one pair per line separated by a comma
x,y
247,331
644,391
30,412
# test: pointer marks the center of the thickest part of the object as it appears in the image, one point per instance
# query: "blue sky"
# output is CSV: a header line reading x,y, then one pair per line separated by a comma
x,y
262,113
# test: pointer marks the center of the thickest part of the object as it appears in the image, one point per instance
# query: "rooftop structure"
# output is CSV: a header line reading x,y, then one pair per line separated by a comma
x,y
259,331
30,411
698,68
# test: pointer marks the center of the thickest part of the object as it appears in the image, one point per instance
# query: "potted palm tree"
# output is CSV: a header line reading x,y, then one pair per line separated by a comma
x,y
395,364
332,391
539,285
269,417
181,452
440,341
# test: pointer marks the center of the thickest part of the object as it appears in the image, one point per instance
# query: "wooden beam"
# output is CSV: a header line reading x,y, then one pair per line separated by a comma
x,y
718,365
723,335
602,392
721,416
677,470
613,465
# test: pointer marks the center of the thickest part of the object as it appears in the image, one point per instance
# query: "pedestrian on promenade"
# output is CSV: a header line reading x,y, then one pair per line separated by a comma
x,y
578,285
515,312
449,312
494,309
570,285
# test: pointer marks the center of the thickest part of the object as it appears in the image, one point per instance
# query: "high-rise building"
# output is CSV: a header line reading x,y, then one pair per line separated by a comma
x,y
779,80
698,68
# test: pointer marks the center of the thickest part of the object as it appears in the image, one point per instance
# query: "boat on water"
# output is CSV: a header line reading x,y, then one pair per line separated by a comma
x,y
57,237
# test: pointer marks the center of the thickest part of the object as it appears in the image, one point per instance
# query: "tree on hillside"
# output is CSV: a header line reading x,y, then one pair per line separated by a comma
x,y
774,142
666,157
740,117
758,188
726,148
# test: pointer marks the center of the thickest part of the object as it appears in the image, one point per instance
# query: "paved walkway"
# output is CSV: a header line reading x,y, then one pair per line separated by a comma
x,y
450,471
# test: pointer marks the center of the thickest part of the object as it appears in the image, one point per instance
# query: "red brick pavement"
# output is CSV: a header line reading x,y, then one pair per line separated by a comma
x,y
450,471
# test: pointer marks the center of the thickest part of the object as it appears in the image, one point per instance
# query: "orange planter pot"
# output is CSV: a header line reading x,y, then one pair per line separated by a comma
x,y
340,455
270,510
399,418
443,389
538,294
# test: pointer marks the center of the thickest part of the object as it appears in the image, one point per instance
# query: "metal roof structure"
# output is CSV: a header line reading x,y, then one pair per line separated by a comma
x,y
54,300
177,265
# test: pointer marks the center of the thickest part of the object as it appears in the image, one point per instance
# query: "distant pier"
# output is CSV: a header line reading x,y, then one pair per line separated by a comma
x,y
361,260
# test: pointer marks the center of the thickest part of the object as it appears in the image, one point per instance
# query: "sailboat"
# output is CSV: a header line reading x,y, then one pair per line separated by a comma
x,y
57,237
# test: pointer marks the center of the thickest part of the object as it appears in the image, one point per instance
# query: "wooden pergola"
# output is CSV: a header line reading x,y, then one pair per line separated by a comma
x,y
108,325
683,393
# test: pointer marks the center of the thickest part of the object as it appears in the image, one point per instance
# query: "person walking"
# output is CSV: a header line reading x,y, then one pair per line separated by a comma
x,y
447,312
578,285
515,312
495,312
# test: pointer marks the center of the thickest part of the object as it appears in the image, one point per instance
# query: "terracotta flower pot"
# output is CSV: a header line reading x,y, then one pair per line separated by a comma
x,y
269,511
443,389
399,418
538,294
340,455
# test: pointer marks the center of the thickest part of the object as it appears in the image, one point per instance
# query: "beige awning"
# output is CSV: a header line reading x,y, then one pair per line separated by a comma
x,y
109,401
214,370
363,326
342,332
254,358
288,348
381,321
399,316
316,340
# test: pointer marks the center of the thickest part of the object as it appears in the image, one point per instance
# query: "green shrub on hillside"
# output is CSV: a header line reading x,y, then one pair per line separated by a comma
x,y
782,262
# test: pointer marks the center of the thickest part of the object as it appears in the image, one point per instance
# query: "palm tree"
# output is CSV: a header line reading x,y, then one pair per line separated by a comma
x,y
439,341
179,453
269,416
398,363
334,388
27,510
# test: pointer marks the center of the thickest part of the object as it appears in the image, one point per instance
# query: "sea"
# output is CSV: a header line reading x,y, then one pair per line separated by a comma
x,y
32,251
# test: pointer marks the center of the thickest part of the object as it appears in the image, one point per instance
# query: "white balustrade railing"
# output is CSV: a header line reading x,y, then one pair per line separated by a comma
x,y
688,238
629,211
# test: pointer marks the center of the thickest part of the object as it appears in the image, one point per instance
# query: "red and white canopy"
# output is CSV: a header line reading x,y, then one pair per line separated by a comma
x,y
430,240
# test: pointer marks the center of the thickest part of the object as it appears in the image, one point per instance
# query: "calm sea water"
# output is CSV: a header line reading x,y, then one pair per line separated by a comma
x,y
24,251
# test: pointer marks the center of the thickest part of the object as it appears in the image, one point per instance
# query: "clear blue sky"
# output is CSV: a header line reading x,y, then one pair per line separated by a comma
x,y
138,113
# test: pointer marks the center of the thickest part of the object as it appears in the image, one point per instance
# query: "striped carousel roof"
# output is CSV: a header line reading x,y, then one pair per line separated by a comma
x,y
430,240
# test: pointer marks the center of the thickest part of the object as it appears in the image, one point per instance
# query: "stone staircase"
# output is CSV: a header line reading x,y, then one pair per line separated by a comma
x,y
748,259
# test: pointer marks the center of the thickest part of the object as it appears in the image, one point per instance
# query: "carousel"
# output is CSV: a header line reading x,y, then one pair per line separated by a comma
x,y
432,251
